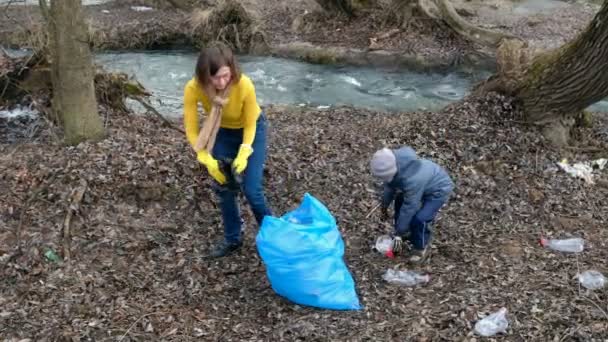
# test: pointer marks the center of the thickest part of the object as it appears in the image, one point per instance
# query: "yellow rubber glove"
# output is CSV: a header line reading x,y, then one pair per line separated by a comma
x,y
213,166
240,163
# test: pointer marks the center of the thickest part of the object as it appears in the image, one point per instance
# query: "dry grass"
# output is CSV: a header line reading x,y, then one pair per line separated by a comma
x,y
200,19
229,22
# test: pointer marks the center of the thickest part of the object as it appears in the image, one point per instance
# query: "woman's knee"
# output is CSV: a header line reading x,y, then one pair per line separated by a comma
x,y
253,192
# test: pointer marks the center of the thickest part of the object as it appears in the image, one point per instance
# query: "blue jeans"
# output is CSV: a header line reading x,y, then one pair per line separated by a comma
x,y
420,232
227,146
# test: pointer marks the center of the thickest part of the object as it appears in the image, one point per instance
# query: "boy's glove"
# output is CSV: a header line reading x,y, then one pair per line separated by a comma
x,y
213,166
240,162
397,244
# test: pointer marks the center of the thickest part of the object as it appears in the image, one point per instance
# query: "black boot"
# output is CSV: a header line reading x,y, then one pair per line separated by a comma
x,y
224,248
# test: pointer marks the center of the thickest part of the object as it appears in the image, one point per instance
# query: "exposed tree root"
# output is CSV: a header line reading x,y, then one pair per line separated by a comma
x,y
442,10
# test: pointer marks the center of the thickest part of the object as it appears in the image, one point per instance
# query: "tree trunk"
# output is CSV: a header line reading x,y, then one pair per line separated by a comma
x,y
560,84
180,4
344,7
74,99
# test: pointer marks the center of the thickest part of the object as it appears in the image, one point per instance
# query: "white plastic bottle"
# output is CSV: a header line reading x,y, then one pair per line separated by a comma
x,y
493,324
405,278
574,245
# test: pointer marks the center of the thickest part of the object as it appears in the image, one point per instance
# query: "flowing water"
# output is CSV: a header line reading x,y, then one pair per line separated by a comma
x,y
284,81
290,82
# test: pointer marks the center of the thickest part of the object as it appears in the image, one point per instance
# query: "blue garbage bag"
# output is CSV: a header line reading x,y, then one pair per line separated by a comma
x,y
303,254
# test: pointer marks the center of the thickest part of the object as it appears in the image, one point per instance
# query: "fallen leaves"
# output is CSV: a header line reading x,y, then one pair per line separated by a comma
x,y
148,215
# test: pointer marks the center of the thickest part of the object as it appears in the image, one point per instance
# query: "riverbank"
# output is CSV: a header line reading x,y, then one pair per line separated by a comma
x,y
300,30
147,216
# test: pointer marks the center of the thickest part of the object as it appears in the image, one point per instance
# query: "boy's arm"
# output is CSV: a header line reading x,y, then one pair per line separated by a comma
x,y
388,195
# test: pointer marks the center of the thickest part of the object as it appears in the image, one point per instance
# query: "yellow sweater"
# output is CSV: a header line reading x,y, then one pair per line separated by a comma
x,y
241,111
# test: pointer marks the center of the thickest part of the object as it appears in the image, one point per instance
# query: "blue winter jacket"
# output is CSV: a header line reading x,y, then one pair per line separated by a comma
x,y
419,180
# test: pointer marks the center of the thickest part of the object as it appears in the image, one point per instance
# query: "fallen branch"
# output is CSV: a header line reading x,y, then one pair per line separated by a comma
x,y
372,211
597,306
153,110
373,42
75,199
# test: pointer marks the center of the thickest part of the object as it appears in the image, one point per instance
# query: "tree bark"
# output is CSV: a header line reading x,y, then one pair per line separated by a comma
x,y
180,4
344,7
74,99
559,85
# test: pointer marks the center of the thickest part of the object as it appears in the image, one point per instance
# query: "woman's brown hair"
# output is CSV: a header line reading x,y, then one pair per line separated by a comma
x,y
211,59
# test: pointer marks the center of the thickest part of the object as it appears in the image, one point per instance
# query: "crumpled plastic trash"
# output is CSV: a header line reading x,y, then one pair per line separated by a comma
x,y
384,245
493,324
583,170
592,280
52,256
405,278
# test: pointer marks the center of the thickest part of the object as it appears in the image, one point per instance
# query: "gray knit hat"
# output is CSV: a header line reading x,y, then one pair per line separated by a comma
x,y
384,164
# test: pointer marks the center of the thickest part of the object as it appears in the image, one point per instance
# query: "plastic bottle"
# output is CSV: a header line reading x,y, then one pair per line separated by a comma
x,y
492,324
405,278
574,245
592,280
384,245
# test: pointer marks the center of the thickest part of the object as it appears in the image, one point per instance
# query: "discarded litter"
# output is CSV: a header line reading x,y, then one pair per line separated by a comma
x,y
405,278
141,8
583,170
303,254
592,280
599,163
52,256
384,245
493,324
573,245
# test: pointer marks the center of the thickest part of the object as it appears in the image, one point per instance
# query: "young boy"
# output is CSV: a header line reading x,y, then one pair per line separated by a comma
x,y
419,188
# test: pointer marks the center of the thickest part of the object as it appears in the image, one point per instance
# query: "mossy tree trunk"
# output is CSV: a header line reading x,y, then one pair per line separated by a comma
x,y
559,85
74,99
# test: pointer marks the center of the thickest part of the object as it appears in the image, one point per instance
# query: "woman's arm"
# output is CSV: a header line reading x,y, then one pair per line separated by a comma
x,y
191,114
251,112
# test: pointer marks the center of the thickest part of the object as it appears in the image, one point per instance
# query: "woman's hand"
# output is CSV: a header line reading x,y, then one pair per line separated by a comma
x,y
240,162
213,166
220,101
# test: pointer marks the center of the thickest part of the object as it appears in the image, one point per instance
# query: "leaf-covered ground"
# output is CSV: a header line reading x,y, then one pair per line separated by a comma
x,y
139,235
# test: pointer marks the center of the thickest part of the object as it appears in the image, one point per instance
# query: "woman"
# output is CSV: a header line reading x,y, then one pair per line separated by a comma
x,y
241,137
